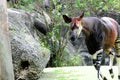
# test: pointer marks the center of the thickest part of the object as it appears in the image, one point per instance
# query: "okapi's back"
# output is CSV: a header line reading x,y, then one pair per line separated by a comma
x,y
111,31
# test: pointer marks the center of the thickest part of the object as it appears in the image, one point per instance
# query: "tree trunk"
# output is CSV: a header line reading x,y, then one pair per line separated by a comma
x,y
6,66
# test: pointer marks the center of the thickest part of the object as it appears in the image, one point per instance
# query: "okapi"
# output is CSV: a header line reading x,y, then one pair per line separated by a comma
x,y
101,35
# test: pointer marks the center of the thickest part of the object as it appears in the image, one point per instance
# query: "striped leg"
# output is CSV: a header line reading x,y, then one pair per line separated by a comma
x,y
112,55
97,63
118,64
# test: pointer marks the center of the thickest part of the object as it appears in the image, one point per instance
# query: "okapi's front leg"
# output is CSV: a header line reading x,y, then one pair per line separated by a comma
x,y
97,61
97,57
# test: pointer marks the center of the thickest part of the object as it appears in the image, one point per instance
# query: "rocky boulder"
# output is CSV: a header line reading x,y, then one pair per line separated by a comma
x,y
29,57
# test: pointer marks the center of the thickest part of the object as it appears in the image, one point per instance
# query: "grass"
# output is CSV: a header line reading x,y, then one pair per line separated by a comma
x,y
76,73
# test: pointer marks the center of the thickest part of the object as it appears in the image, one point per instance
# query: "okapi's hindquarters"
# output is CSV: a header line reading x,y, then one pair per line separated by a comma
x,y
117,47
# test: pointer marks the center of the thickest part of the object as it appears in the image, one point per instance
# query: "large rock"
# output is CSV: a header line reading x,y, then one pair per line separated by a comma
x,y
41,21
29,57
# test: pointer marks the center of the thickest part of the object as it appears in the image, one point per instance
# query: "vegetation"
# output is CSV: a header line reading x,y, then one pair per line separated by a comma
x,y
22,4
58,43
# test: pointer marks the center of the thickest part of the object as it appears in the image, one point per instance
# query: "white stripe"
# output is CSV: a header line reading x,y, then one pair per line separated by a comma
x,y
94,56
111,61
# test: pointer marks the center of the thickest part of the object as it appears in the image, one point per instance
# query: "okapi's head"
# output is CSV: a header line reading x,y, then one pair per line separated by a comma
x,y
75,25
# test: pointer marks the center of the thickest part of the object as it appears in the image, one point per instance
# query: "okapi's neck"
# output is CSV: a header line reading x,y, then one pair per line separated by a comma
x,y
85,29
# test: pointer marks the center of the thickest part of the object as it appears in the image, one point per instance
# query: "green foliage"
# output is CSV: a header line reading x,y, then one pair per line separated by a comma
x,y
72,61
92,7
58,43
23,4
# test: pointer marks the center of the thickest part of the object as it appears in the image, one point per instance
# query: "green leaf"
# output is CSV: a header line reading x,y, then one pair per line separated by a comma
x,y
105,8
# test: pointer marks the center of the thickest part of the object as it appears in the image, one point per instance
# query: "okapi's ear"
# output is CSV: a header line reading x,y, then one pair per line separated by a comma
x,y
67,19
81,16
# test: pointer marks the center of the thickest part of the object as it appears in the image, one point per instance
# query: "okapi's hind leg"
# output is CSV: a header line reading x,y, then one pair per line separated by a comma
x,y
118,64
112,56
117,47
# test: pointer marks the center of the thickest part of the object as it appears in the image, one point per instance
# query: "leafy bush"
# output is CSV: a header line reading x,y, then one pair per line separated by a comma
x,y
22,4
72,61
57,42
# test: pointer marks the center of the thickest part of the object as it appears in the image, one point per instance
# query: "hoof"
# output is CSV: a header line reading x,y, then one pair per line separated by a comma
x,y
104,78
111,73
118,77
112,76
